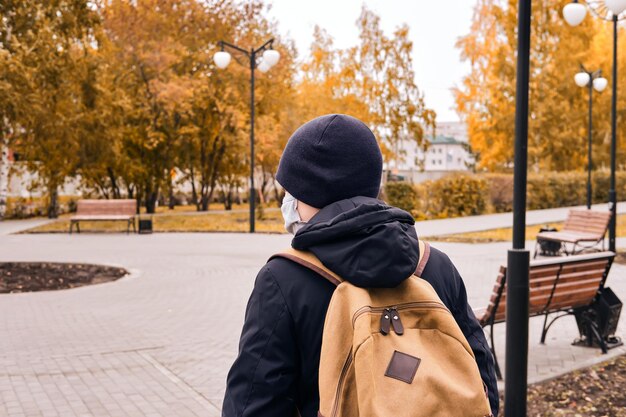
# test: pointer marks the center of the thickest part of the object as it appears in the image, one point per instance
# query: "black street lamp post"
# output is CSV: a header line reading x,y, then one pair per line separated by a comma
x,y
518,260
591,80
270,58
613,11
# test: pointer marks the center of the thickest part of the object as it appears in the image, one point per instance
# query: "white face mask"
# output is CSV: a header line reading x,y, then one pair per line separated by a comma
x,y
293,223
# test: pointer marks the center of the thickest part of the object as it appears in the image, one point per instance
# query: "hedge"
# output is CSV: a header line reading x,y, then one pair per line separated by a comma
x,y
466,194
554,189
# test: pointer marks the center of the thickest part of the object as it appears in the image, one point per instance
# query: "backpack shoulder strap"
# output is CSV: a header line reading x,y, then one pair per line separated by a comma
x,y
423,260
308,260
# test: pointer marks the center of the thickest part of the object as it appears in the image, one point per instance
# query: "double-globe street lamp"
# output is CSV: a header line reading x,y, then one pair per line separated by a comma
x,y
610,10
269,58
591,80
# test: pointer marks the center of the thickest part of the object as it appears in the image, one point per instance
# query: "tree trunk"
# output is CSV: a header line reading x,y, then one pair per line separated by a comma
x,y
194,192
277,193
171,202
228,201
216,166
115,188
53,205
204,202
151,197
4,175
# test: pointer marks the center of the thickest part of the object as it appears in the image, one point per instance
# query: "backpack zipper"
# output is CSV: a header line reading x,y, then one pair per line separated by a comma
x,y
390,315
342,378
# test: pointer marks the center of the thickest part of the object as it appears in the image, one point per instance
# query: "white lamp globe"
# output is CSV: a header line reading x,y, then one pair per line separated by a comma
x,y
221,59
600,84
616,6
271,56
581,79
574,13
263,67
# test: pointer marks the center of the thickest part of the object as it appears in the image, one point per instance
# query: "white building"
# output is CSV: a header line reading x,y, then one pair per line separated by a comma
x,y
456,130
446,153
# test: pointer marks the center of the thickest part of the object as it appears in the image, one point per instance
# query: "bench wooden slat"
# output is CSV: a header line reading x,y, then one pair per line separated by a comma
x,y
563,285
588,221
100,210
579,278
106,207
581,227
569,237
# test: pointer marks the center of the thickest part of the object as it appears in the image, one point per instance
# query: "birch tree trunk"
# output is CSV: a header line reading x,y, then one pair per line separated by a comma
x,y
4,175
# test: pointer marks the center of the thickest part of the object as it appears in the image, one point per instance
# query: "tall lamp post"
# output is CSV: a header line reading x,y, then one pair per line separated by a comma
x,y
591,80
269,58
518,258
610,10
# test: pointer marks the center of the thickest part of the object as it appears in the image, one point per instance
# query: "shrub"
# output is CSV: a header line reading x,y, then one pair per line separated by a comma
x,y
500,192
456,195
17,208
402,195
556,189
600,182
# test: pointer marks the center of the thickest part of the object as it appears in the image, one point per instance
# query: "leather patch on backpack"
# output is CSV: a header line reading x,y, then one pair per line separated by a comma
x,y
402,367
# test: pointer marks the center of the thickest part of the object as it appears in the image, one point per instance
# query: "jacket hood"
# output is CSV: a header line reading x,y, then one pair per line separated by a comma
x,y
363,240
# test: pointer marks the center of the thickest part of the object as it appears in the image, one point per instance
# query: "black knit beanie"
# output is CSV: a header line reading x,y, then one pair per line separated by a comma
x,y
331,158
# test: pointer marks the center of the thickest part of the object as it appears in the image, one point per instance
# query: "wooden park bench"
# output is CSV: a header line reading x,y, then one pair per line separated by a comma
x,y
100,210
583,230
557,286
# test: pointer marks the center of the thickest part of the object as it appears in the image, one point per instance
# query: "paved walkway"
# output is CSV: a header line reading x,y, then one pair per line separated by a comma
x,y
495,221
160,342
8,227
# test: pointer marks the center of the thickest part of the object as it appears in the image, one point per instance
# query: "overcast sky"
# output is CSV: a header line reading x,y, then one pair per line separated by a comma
x,y
435,26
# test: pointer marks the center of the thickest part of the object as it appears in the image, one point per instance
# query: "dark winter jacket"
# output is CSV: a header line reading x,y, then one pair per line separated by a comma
x,y
367,243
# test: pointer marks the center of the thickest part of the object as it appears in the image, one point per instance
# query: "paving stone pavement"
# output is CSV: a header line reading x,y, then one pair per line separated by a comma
x,y
160,342
442,227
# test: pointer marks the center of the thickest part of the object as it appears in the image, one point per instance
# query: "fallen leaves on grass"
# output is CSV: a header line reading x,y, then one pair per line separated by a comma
x,y
597,391
272,222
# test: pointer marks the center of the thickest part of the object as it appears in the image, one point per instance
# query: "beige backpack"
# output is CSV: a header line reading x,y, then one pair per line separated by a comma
x,y
394,352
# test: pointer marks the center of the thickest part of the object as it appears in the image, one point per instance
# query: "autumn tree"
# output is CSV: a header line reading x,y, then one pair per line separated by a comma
x,y
385,79
121,94
558,108
45,53
373,81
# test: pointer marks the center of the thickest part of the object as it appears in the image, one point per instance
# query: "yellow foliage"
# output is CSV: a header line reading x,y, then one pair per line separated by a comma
x,y
558,108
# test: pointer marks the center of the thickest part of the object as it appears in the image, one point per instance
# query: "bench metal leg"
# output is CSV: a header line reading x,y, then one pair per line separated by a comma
x,y
134,226
545,329
72,223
